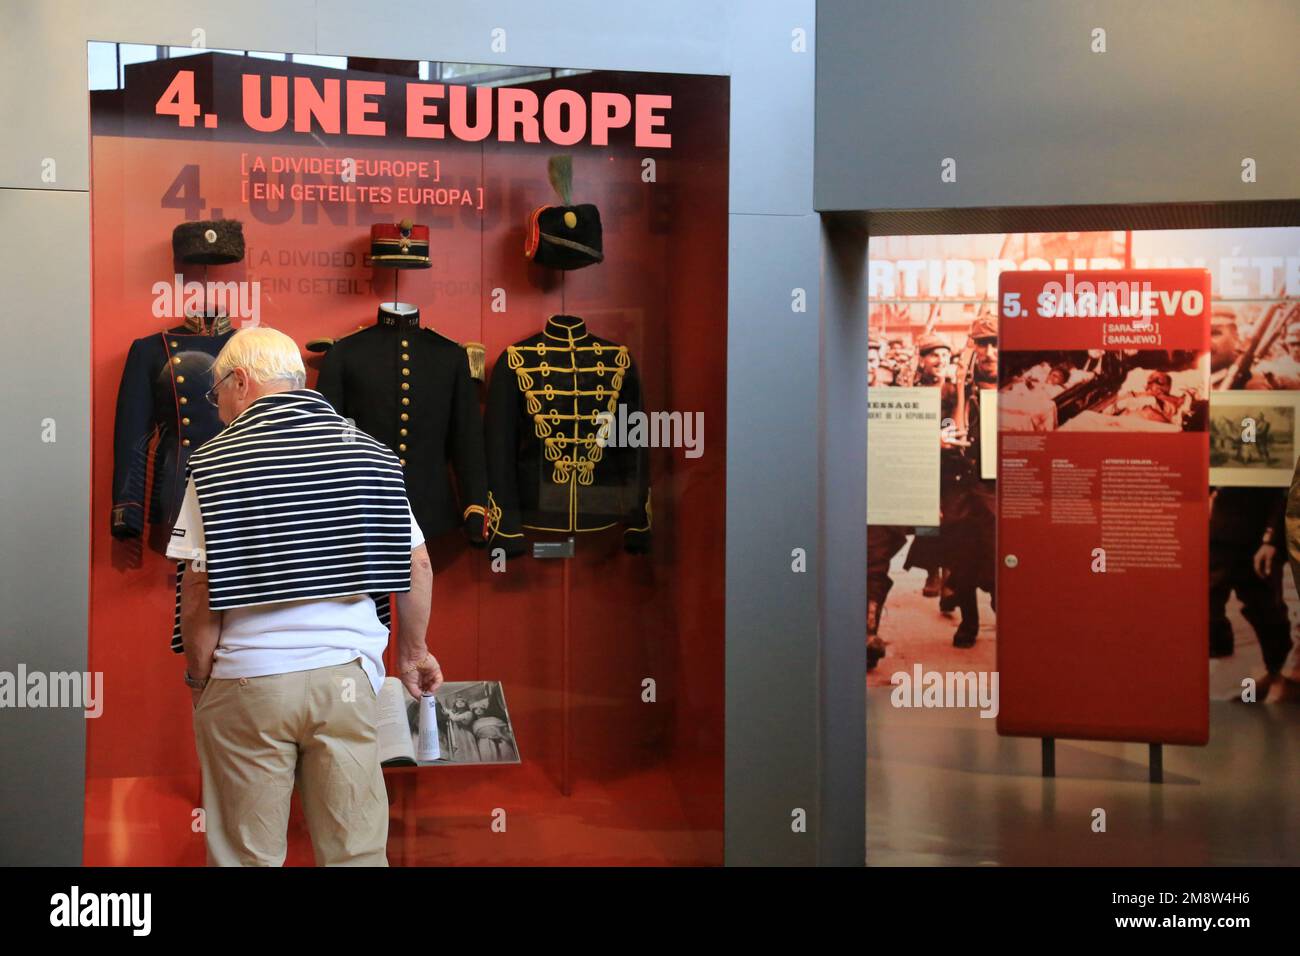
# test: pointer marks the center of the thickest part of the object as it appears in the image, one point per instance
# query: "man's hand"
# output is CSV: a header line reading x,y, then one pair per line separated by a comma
x,y
420,676
950,436
418,670
200,626
1264,558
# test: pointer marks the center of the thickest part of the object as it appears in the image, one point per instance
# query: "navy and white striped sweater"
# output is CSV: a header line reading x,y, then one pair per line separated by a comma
x,y
299,504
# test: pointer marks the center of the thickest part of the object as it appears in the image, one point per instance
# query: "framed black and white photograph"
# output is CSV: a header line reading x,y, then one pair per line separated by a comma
x,y
1253,438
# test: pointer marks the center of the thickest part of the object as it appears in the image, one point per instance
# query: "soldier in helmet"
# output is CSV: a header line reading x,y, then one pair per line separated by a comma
x,y
934,356
898,361
932,367
969,502
1231,368
1225,345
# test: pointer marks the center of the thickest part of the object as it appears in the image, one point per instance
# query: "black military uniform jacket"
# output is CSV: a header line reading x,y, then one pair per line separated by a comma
x,y
546,470
162,396
410,388
1245,518
963,491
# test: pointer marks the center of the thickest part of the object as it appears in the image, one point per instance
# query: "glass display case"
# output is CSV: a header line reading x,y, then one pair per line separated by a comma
x,y
607,642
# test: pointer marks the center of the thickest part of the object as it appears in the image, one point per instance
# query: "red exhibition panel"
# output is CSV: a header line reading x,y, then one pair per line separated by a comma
x,y
1103,509
643,781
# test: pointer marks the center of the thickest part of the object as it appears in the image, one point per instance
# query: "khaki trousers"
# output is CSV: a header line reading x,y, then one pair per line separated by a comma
x,y
258,736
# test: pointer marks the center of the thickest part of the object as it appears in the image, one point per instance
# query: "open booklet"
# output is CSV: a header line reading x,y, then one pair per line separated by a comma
x,y
466,722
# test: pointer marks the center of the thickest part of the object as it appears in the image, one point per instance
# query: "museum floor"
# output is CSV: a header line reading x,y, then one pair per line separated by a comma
x,y
944,789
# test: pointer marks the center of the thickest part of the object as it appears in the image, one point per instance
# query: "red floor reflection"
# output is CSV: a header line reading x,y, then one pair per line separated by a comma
x,y
439,817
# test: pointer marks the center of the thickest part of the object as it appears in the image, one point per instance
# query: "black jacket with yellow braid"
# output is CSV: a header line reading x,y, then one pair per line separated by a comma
x,y
547,468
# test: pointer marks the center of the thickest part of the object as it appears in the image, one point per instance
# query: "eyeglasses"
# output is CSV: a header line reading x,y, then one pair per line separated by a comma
x,y
211,394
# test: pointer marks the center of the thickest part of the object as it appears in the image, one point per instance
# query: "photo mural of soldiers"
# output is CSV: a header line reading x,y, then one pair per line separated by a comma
x,y
1281,370
933,369
1285,686
883,541
925,287
957,555
968,502
1247,525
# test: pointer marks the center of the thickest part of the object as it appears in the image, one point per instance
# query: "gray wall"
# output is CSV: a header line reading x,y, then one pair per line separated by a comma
x,y
44,510
778,725
842,503
1011,90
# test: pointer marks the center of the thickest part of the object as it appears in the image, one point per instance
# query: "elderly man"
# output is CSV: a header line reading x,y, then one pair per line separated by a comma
x,y
296,528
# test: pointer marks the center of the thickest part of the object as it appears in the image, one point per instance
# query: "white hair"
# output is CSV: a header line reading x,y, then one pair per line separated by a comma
x,y
268,355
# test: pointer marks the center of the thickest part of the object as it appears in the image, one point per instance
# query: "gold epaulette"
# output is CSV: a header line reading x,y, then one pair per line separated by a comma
x,y
477,355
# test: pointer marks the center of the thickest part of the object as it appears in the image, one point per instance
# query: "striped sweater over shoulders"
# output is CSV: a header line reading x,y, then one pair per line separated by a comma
x,y
297,504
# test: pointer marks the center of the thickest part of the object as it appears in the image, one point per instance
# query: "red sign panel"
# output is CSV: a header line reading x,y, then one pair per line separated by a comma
x,y
1103,511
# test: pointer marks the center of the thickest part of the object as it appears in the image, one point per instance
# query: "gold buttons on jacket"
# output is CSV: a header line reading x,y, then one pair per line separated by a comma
x,y
180,379
406,357
176,345
401,448
406,401
184,400
402,432
185,442
406,386
403,461
405,417
406,371
185,421
405,343
176,360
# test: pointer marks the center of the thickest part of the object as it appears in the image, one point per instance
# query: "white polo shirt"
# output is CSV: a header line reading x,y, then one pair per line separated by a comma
x,y
290,635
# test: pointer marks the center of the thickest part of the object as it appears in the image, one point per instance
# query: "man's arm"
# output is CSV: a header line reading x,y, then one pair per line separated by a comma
x,y
418,669
1274,534
1292,523
200,626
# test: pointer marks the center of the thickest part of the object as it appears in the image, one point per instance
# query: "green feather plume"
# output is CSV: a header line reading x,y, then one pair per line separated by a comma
x,y
560,171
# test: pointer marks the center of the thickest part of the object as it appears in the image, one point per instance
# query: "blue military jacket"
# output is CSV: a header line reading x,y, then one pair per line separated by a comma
x,y
162,417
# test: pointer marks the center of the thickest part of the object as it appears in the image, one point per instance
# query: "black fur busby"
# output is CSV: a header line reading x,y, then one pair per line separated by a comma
x,y
209,242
